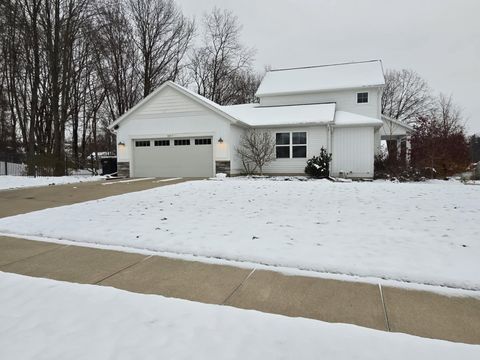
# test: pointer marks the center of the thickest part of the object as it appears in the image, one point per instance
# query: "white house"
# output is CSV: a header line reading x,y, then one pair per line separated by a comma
x,y
175,132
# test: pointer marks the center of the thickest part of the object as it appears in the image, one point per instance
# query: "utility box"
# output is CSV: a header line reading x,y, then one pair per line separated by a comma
x,y
109,165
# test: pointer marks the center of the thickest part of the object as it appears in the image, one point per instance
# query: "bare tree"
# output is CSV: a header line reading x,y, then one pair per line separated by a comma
x,y
162,35
116,58
222,59
246,84
448,114
406,96
256,149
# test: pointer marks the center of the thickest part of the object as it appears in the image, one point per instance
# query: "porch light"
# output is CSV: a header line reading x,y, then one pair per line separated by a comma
x,y
220,140
121,143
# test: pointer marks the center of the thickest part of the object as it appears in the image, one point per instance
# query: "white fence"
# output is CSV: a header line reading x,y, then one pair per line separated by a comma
x,y
8,168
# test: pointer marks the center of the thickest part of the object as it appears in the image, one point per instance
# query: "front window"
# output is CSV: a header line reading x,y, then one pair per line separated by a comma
x,y
291,145
283,145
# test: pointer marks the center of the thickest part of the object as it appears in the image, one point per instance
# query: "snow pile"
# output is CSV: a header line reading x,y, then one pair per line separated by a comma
x,y
14,182
422,233
55,320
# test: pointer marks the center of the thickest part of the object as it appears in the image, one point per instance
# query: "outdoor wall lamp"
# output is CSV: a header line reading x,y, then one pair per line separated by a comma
x,y
121,143
220,140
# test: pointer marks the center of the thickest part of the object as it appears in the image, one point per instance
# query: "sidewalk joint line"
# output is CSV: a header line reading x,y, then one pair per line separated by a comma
x,y
60,246
122,269
239,286
387,323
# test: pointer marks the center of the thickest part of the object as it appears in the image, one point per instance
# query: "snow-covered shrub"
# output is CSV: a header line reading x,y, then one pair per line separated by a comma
x,y
319,166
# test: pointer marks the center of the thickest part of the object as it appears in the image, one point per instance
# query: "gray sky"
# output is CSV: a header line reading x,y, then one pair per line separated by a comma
x,y
440,39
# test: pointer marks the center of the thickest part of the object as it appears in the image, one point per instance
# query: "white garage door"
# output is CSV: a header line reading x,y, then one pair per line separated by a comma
x,y
179,157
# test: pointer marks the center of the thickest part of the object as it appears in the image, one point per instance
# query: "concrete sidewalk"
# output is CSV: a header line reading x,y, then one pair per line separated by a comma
x,y
20,201
385,308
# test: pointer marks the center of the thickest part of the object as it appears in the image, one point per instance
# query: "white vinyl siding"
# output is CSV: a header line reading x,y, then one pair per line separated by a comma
x,y
346,100
236,166
169,101
353,151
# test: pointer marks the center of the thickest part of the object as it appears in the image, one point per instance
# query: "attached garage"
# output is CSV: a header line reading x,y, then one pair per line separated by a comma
x,y
175,157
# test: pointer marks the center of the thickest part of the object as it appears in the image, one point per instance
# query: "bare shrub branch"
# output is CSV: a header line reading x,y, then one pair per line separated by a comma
x,y
256,149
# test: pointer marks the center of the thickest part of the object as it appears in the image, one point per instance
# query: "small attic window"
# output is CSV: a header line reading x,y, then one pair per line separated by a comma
x,y
362,98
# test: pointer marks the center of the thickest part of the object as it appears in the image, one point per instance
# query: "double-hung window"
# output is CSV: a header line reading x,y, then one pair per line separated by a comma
x,y
291,145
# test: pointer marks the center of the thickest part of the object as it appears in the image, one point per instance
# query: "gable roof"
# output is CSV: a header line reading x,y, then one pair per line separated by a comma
x,y
255,115
192,95
322,78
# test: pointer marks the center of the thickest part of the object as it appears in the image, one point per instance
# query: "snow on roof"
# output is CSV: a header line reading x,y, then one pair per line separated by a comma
x,y
255,115
322,78
344,118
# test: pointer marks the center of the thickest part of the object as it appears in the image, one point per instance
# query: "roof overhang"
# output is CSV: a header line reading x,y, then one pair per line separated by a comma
x,y
398,122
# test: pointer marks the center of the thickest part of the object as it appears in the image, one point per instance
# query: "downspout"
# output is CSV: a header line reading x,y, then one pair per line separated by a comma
x,y
329,143
329,138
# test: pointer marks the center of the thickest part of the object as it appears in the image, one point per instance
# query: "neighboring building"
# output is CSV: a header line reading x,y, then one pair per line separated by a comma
x,y
175,132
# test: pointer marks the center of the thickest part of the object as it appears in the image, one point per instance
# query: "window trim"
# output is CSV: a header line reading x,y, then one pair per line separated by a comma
x,y
291,145
363,92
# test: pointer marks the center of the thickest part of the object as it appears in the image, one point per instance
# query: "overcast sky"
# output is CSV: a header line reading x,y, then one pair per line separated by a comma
x,y
440,39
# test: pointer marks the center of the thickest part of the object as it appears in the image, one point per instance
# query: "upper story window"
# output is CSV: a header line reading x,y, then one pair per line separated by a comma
x,y
291,145
362,98
142,143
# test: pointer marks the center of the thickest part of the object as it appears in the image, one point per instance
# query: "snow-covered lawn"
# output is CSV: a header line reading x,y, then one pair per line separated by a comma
x,y
424,233
14,182
46,319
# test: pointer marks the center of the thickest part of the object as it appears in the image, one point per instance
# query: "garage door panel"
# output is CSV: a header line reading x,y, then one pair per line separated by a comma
x,y
174,160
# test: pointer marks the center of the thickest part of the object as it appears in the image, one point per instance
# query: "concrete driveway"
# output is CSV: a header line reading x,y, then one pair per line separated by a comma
x,y
20,201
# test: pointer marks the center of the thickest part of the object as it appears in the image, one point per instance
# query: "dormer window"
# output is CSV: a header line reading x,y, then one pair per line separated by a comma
x,y
362,98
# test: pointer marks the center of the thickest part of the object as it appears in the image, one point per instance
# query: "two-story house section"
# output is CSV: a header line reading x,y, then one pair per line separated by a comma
x,y
175,132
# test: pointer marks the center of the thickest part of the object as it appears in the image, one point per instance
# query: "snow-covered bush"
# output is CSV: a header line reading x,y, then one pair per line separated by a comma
x,y
319,166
